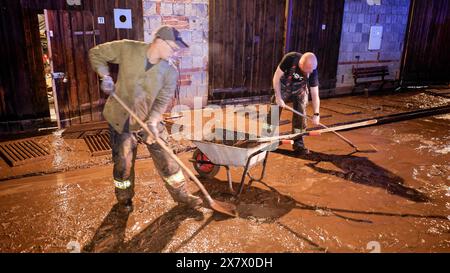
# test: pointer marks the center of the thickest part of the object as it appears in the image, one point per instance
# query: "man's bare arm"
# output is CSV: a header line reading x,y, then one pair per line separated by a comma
x,y
315,103
315,99
277,86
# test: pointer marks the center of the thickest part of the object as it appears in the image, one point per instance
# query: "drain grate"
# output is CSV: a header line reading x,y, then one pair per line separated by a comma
x,y
98,144
21,152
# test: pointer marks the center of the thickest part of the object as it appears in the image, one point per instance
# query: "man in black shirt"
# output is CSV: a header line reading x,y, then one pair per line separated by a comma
x,y
295,78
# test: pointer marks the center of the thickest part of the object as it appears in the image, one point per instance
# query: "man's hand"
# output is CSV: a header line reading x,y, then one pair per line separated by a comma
x,y
154,129
144,137
280,102
316,120
107,85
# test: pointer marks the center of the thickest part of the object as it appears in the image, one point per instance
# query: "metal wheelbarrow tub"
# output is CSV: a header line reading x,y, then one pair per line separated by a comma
x,y
225,155
210,155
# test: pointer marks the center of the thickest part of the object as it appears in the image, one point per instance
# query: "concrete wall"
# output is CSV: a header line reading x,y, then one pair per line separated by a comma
x,y
191,18
359,16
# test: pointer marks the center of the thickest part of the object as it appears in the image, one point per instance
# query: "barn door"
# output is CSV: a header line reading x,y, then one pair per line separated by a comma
x,y
23,95
246,41
315,25
72,33
427,57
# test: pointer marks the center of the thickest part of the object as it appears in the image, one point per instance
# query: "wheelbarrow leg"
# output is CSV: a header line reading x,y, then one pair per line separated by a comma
x,y
263,172
244,175
230,181
246,172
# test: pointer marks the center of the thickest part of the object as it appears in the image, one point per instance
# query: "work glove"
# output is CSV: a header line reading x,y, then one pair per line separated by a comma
x,y
144,137
107,85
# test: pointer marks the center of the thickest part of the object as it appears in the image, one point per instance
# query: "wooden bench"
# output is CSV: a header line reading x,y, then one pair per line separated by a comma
x,y
370,72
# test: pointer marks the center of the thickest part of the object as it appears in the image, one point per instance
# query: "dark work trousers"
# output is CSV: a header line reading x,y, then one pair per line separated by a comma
x,y
124,150
299,124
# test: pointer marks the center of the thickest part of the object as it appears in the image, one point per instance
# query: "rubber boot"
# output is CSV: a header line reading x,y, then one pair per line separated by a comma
x,y
299,147
125,199
180,194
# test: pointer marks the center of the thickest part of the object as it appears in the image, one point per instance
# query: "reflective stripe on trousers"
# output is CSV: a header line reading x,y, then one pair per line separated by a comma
x,y
176,178
123,185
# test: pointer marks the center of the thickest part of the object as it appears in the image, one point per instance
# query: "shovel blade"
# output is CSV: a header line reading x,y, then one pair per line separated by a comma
x,y
367,150
224,208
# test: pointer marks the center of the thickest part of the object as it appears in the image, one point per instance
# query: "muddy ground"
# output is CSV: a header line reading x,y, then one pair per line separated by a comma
x,y
396,200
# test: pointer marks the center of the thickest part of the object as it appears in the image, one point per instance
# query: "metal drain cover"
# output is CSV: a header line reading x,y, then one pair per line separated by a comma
x,y
98,144
21,152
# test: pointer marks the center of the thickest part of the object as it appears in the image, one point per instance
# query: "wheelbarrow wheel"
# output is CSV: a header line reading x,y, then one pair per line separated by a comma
x,y
205,170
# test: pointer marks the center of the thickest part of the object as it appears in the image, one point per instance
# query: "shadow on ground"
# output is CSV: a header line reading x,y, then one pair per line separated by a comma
x,y
360,170
267,205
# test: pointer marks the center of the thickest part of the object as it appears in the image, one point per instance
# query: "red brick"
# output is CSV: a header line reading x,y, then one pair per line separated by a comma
x,y
185,82
185,77
197,69
180,22
178,1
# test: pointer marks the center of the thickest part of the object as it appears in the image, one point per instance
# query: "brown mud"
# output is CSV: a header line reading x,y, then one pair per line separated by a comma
x,y
333,200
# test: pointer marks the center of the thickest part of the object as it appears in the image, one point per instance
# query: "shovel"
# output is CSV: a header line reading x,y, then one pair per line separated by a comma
x,y
334,132
218,206
319,132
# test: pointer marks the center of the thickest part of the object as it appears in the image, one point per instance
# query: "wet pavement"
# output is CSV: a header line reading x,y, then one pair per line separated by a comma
x,y
334,200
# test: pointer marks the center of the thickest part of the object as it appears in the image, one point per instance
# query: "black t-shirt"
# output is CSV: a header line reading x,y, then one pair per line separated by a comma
x,y
294,77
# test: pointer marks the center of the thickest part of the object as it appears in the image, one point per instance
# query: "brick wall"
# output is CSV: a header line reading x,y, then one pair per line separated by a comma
x,y
191,18
359,16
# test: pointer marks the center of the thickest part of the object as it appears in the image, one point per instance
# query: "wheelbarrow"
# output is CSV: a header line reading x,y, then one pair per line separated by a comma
x,y
247,153
211,155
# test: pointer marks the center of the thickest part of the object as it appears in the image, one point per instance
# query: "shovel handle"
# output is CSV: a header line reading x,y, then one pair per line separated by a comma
x,y
324,126
314,133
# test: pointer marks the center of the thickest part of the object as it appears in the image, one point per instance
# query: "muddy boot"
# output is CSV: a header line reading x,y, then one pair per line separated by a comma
x,y
300,149
180,194
124,199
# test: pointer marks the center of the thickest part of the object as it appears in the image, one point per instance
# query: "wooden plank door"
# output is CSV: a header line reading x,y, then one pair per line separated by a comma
x,y
246,41
23,94
316,26
72,34
427,58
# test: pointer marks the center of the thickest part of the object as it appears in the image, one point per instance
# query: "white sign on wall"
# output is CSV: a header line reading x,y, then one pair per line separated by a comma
x,y
374,2
73,2
376,35
123,19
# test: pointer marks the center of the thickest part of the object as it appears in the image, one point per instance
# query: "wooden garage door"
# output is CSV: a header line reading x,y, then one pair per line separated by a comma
x,y
316,26
246,41
427,57
72,35
74,32
22,85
